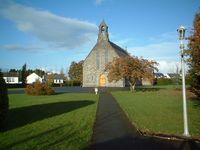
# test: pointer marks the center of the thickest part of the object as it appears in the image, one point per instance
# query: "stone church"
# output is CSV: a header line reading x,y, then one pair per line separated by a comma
x,y
102,53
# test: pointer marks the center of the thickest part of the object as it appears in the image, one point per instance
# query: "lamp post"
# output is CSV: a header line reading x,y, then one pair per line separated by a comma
x,y
181,32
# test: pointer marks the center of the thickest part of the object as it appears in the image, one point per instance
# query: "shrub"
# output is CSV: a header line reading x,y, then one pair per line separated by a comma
x,y
72,83
3,101
29,90
39,89
49,91
164,81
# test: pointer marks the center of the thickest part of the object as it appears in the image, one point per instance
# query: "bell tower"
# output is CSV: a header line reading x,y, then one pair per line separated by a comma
x,y
103,32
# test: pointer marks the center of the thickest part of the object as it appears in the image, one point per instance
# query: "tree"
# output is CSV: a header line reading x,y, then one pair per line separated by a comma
x,y
76,71
50,79
62,72
131,69
23,75
3,101
13,70
194,56
39,72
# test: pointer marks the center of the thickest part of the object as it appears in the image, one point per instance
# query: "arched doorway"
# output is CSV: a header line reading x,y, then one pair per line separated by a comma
x,y
102,80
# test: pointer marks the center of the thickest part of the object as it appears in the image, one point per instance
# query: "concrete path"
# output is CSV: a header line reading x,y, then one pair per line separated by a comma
x,y
113,131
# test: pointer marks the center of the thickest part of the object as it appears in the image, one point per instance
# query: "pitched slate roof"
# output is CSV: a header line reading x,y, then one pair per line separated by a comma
x,y
120,51
58,76
10,74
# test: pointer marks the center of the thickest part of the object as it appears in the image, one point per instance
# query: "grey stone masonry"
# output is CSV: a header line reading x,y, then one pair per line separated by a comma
x,y
102,53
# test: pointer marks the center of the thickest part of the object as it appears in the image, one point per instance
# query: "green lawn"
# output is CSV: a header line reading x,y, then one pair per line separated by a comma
x,y
15,89
63,121
159,110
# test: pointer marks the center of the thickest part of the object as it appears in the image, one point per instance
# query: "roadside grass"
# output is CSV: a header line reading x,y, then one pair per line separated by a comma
x,y
62,121
158,109
15,89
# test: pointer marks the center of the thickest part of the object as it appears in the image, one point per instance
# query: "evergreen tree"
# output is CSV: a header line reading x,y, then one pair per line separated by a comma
x,y
23,75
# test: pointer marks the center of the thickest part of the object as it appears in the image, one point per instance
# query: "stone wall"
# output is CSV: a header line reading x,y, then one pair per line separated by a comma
x,y
94,65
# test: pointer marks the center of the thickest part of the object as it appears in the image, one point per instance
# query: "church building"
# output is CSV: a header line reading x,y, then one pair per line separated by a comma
x,y
103,52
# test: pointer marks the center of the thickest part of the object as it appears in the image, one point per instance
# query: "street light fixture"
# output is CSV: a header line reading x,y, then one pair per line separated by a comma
x,y
181,32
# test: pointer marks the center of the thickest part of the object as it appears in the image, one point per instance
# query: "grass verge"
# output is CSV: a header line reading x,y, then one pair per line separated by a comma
x,y
63,121
15,89
159,110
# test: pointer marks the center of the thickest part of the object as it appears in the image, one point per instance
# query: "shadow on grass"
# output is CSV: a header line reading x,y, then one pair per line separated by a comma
x,y
147,89
9,146
18,117
196,103
71,136
144,143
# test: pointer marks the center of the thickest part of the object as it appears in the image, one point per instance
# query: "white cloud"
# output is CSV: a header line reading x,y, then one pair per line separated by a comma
x,y
124,42
168,66
99,2
162,50
169,36
56,31
165,53
17,47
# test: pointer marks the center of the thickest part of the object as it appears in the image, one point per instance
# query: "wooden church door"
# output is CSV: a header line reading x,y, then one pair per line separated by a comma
x,y
102,80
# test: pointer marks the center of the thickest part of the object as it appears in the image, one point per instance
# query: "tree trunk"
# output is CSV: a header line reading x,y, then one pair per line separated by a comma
x,y
132,87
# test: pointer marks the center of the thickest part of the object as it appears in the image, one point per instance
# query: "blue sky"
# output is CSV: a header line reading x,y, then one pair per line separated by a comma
x,y
51,34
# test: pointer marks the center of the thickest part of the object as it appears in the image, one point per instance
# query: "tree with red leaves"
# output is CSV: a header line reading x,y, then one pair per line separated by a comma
x,y
194,56
131,69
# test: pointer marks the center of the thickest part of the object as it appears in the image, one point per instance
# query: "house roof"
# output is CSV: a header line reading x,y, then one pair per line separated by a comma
x,y
118,50
159,75
174,75
58,76
10,74
55,76
33,75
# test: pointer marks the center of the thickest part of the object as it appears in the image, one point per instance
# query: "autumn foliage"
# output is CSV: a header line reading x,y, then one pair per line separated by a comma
x,y
131,69
76,71
39,89
194,56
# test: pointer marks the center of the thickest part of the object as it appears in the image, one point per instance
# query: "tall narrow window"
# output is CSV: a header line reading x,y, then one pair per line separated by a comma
x,y
106,56
105,53
97,59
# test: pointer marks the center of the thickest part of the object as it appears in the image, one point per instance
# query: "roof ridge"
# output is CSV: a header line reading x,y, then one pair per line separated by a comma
x,y
115,46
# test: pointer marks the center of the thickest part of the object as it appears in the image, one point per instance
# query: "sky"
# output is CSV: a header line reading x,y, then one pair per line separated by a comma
x,y
50,34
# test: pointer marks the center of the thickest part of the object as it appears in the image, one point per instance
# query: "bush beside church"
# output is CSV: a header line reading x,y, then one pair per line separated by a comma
x,y
39,88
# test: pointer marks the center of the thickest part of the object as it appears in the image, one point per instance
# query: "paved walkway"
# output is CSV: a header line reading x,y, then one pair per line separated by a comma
x,y
113,131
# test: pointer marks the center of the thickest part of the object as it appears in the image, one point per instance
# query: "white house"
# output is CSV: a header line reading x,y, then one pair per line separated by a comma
x,y
58,79
33,78
159,75
167,76
11,78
